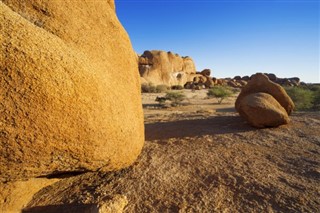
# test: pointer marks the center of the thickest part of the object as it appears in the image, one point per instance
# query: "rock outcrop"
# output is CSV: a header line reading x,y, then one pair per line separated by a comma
x,y
68,83
159,67
166,68
264,103
262,110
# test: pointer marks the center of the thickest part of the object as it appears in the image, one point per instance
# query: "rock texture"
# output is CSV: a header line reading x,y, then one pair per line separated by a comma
x,y
264,103
260,83
115,205
166,68
204,162
262,110
159,67
68,80
14,196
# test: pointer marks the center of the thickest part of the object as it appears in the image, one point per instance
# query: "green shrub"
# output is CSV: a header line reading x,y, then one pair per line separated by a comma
x,y
316,100
161,100
220,93
177,87
175,97
316,96
303,98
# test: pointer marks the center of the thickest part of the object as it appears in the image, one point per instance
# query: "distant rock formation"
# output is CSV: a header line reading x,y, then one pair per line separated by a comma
x,y
200,80
159,67
68,83
239,82
254,108
206,72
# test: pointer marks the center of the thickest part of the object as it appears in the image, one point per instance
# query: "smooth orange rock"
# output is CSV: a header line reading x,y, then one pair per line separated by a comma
x,y
70,89
159,67
262,110
261,83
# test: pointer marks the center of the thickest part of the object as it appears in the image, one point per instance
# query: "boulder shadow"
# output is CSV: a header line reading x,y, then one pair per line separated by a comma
x,y
190,128
150,105
229,109
63,208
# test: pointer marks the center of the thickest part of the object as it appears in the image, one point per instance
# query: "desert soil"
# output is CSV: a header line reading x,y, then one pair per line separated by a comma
x,y
202,157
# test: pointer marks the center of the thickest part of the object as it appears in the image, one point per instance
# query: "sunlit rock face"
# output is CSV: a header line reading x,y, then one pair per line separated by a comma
x,y
264,103
70,89
159,67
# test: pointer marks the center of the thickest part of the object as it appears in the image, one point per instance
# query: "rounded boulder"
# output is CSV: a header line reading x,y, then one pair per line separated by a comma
x,y
262,110
261,83
70,89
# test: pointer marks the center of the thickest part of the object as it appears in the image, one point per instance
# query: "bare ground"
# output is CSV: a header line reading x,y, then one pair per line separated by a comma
x,y
203,157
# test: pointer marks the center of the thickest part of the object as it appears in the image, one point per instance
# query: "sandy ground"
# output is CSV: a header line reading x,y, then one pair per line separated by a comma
x,y
202,157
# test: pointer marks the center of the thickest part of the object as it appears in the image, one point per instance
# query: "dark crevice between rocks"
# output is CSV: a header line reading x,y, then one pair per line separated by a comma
x,y
61,175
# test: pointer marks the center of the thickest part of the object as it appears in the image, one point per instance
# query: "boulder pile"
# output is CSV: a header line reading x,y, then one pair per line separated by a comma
x,y
240,82
158,67
200,80
264,103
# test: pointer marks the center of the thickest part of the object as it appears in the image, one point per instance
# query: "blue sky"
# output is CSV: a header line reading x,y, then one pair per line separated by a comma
x,y
230,37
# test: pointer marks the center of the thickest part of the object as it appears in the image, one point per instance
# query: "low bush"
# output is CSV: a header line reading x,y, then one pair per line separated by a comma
x,y
220,93
161,100
316,96
162,88
175,97
316,100
303,98
177,87
150,88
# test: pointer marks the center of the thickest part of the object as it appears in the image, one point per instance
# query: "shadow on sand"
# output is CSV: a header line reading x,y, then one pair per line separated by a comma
x,y
63,208
191,128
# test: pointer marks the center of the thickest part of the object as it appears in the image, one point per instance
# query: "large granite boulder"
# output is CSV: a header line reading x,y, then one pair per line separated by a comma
x,y
262,110
70,89
261,83
159,67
